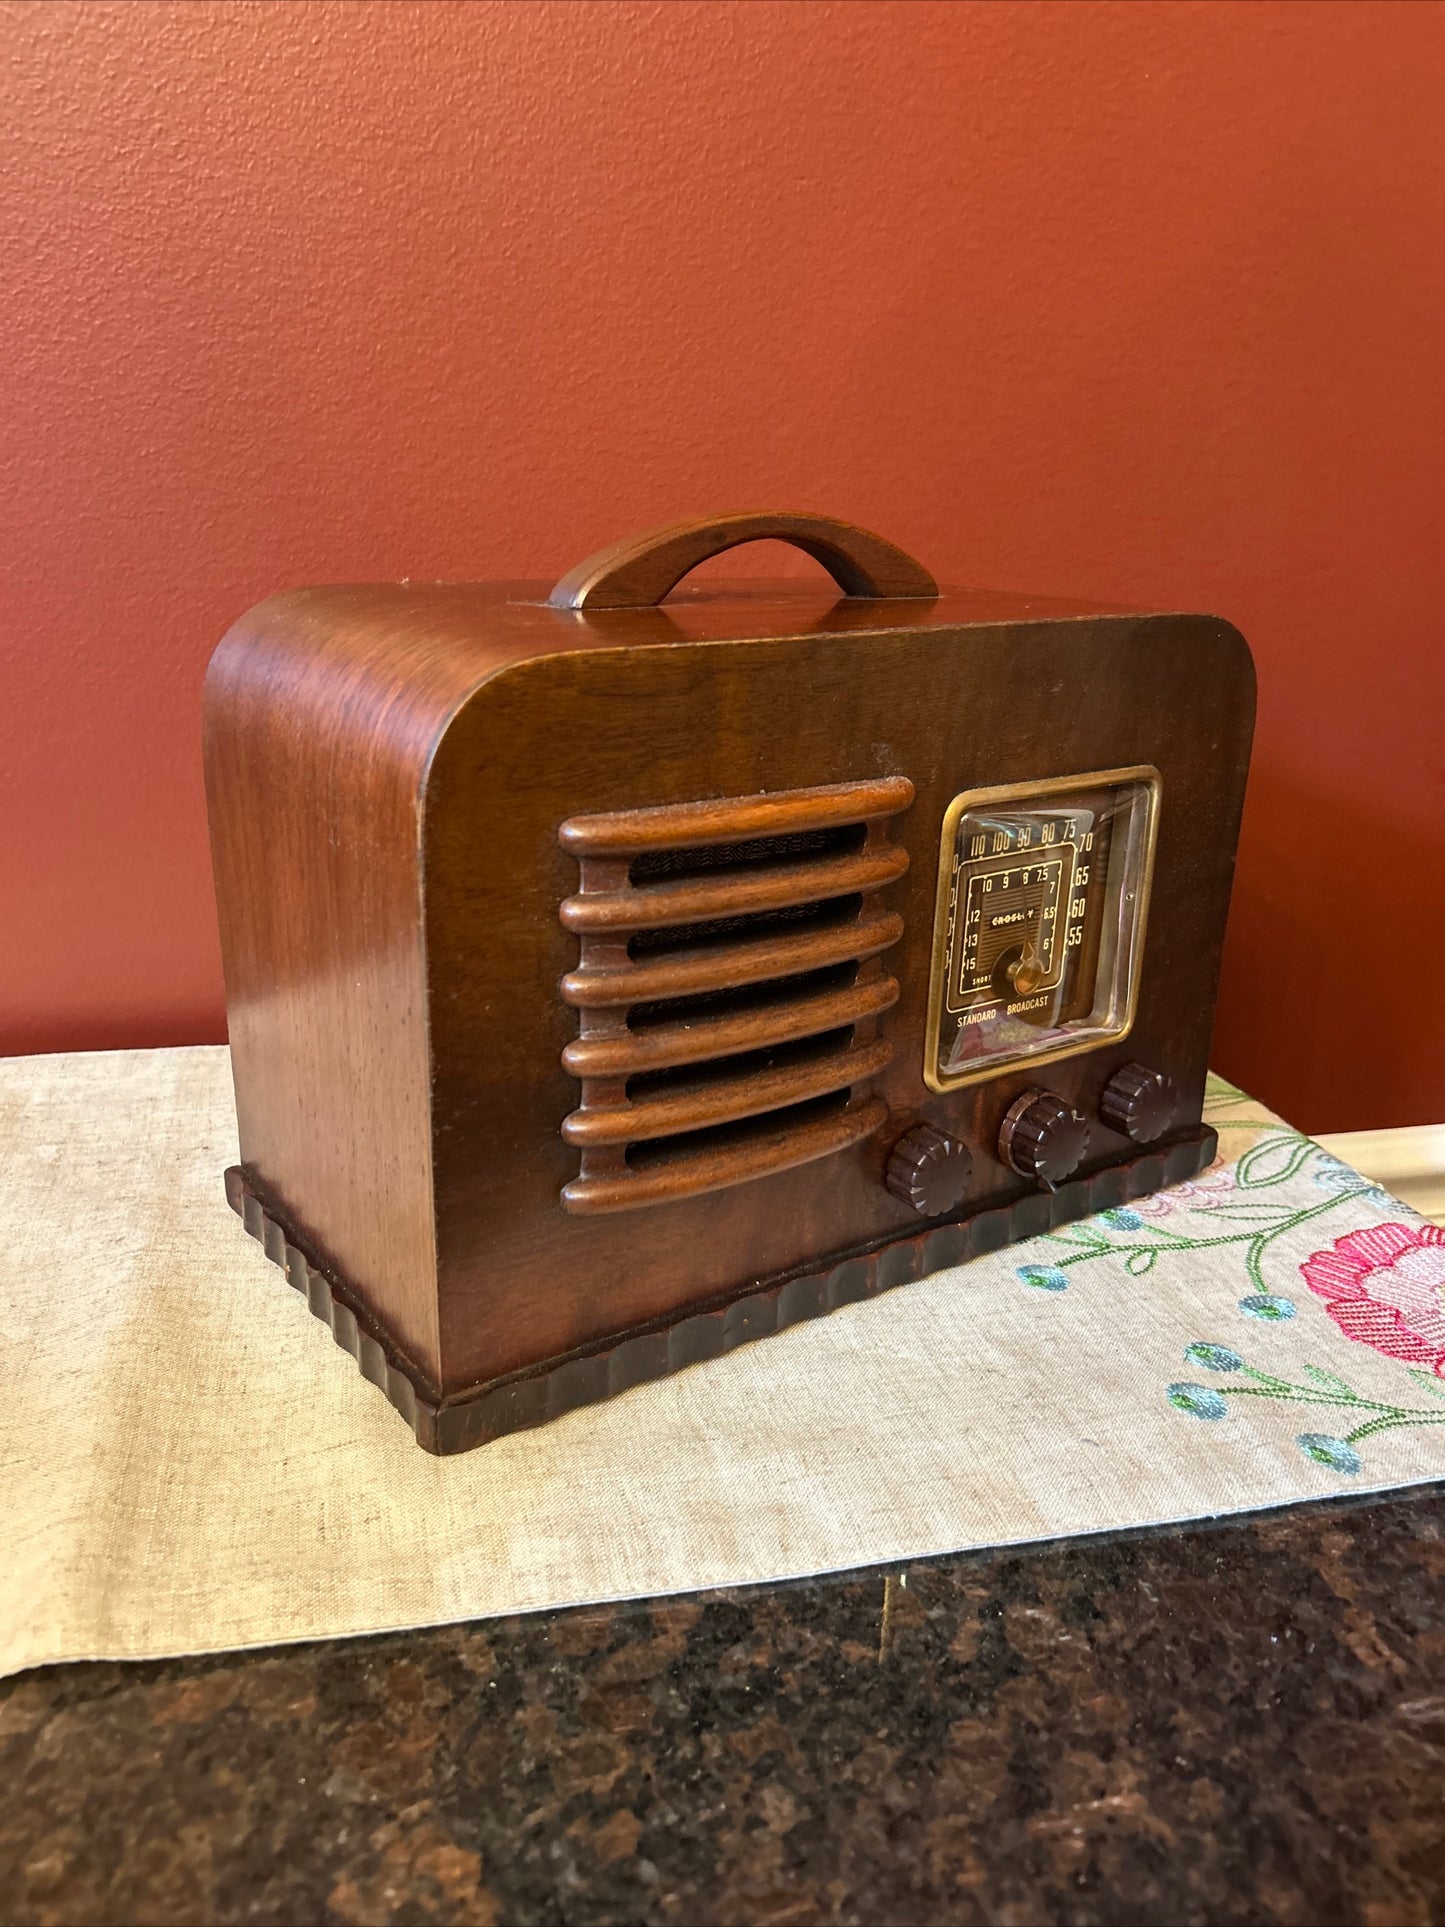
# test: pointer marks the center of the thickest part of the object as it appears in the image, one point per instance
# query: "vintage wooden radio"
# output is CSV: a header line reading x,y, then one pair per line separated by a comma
x,y
612,980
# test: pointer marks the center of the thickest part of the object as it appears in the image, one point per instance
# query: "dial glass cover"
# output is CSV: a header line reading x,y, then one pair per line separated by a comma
x,y
1043,891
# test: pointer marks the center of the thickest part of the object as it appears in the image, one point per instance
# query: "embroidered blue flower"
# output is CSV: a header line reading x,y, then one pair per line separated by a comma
x,y
1043,1277
1267,1305
1123,1219
1338,1454
1197,1400
1216,1358
1332,1174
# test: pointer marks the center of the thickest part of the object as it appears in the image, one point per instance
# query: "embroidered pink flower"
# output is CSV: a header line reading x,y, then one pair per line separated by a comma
x,y
1386,1288
1196,1194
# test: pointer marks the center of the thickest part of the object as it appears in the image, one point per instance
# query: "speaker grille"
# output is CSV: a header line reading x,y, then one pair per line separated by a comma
x,y
729,987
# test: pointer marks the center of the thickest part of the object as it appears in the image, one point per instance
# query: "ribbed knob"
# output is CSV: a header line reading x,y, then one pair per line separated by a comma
x,y
1043,1137
1139,1103
929,1170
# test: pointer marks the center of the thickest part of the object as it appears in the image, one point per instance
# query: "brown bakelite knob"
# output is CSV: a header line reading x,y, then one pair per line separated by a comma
x,y
929,1170
1139,1103
1042,1137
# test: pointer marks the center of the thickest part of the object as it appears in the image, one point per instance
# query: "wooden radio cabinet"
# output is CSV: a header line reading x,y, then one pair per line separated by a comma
x,y
614,979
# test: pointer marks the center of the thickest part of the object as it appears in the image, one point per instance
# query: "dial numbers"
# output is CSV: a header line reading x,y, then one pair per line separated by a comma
x,y
1042,889
1006,906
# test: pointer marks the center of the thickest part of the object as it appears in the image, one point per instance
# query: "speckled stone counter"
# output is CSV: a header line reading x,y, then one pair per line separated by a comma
x,y
1234,1722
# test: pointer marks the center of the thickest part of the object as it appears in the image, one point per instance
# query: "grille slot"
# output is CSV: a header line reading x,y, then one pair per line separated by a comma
x,y
719,1003
676,864
714,1070
657,1153
728,988
753,925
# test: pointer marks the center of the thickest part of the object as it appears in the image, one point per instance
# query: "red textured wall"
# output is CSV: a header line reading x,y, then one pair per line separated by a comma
x,y
1128,301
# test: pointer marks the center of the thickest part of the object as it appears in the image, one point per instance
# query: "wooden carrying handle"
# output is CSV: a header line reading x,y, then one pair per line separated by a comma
x,y
637,573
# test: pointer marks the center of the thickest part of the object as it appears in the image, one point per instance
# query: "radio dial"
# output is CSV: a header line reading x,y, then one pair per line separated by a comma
x,y
1139,1103
1042,1137
929,1170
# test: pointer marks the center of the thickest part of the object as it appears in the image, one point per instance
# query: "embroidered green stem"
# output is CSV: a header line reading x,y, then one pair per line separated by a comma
x,y
1165,1241
1387,1415
1390,1419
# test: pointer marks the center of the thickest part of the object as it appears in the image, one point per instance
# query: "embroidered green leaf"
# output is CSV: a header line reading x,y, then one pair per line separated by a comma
x,y
1279,1214
1272,1160
1219,1088
1276,1385
1429,1382
1331,1380
1140,1260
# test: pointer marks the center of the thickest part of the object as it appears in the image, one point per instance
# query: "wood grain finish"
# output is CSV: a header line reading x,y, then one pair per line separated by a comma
x,y
765,1155
734,819
724,1100
645,568
765,887
756,854
625,1053
689,973
325,976
388,770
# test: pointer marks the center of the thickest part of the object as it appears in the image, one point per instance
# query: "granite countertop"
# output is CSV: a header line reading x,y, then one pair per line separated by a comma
x,y
1241,1721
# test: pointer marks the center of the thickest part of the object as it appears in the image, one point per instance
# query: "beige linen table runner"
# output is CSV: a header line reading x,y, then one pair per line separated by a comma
x,y
190,1464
